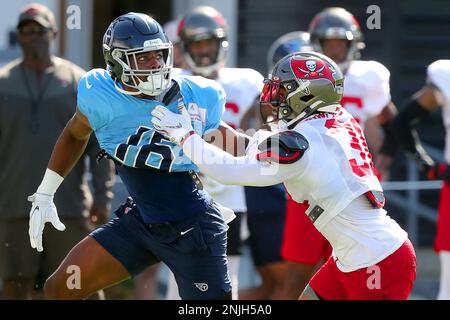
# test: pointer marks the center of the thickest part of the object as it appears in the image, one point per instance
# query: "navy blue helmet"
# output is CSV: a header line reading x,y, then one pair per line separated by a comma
x,y
286,44
132,34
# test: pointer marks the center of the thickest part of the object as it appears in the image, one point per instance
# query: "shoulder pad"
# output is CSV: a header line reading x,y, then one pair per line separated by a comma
x,y
284,147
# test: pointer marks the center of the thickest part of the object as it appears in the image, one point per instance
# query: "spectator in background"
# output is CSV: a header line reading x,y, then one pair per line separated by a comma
x,y
38,95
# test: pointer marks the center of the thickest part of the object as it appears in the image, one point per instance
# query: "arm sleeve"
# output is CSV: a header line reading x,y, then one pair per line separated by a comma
x,y
226,169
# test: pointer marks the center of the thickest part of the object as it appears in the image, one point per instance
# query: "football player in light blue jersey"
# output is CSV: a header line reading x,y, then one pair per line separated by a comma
x,y
169,217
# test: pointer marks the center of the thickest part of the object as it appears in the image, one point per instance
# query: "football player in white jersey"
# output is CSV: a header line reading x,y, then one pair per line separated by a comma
x,y
434,95
202,36
319,152
336,33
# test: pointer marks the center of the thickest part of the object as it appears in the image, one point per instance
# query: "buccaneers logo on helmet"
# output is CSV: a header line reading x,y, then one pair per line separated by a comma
x,y
312,69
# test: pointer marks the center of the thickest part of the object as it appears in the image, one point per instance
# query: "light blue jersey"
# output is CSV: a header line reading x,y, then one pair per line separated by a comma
x,y
122,123
154,169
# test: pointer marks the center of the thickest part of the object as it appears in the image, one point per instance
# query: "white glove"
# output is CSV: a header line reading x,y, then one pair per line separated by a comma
x,y
175,126
42,210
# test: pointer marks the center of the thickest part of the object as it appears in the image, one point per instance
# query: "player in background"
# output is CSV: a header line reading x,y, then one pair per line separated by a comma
x,y
319,152
435,94
336,33
203,41
169,218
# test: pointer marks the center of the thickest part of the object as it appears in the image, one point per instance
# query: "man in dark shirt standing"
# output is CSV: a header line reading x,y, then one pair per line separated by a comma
x,y
37,98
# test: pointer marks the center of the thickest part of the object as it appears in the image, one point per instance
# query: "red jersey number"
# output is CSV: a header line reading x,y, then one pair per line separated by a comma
x,y
362,165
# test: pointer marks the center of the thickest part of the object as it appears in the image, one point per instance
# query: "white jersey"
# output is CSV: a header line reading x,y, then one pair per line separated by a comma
x,y
337,168
362,236
439,75
333,176
242,86
366,90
